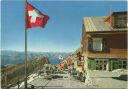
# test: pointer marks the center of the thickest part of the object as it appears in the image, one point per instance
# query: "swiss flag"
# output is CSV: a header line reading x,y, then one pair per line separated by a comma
x,y
34,18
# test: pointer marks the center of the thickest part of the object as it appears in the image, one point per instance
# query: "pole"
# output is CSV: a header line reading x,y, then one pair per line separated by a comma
x,y
25,59
25,82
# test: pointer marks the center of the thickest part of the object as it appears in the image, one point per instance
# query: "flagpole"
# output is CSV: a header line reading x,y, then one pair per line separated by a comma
x,y
25,80
26,54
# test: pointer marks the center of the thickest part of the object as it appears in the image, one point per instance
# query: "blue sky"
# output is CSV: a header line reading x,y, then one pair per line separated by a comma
x,y
63,31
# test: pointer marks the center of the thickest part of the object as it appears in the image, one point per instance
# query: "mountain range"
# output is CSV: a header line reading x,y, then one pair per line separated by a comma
x,y
9,57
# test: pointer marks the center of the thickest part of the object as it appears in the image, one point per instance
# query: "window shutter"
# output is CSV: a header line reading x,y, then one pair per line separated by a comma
x,y
90,44
104,44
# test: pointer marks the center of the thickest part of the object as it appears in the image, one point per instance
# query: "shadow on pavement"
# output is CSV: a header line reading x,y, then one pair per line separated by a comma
x,y
121,77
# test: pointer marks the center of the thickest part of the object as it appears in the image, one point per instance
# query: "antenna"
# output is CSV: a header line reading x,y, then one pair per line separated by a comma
x,y
110,12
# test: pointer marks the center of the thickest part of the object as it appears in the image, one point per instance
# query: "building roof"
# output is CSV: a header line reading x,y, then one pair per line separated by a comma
x,y
97,24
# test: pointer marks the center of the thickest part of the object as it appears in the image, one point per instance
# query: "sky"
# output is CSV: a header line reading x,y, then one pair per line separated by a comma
x,y
63,30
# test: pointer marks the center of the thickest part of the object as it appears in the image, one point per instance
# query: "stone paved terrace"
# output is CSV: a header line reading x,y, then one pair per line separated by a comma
x,y
61,83
98,80
58,83
105,79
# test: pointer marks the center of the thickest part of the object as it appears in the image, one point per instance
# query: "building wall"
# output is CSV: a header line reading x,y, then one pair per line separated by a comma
x,y
116,45
116,51
109,20
83,40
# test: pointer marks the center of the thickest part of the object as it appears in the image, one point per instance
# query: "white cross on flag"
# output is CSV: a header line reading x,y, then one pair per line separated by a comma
x,y
34,18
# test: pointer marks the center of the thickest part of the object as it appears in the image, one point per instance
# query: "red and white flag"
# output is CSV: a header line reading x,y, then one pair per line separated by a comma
x,y
34,18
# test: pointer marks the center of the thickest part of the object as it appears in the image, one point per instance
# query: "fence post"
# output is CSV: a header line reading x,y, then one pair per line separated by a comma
x,y
5,83
18,83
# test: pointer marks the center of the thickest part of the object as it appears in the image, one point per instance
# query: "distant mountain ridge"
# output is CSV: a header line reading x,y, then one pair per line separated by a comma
x,y
14,57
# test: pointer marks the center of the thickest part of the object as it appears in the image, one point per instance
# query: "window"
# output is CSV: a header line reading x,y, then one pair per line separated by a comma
x,y
97,44
101,64
122,64
120,21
